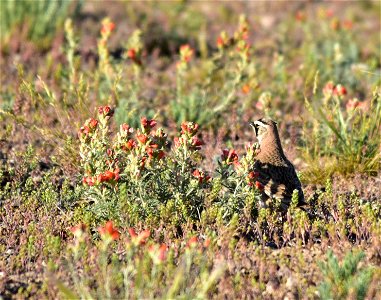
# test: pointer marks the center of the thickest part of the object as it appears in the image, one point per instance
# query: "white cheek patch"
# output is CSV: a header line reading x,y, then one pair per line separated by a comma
x,y
259,123
259,138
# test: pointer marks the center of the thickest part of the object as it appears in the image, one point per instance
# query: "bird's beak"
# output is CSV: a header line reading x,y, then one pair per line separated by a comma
x,y
255,127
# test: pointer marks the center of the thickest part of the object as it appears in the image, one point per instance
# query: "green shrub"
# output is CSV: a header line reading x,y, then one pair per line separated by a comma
x,y
345,280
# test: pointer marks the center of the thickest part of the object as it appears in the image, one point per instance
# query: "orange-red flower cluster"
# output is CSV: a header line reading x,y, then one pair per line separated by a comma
x,y
109,231
83,131
105,111
347,24
186,53
339,90
189,127
88,180
196,143
352,104
158,253
126,128
89,127
229,156
93,123
251,177
108,176
192,242
178,141
129,145
134,55
79,229
331,89
201,176
222,40
259,185
142,138
147,124
246,89
153,151
107,27
300,16
141,238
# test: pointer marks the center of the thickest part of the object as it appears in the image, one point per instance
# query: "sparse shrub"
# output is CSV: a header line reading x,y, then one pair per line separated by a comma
x,y
227,72
345,280
144,269
345,132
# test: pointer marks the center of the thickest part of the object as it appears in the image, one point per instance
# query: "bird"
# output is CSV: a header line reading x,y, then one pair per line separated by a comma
x,y
276,175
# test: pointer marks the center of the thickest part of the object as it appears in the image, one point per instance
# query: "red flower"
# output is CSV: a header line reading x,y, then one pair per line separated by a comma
x,y
139,239
329,13
300,16
335,24
77,230
196,143
348,24
160,155
162,252
88,180
93,123
142,138
246,89
189,127
108,176
259,185
355,103
85,129
126,128
259,105
186,53
206,243
328,88
229,156
253,175
143,162
192,242
132,232
201,176
106,111
147,124
143,236
109,152
177,141
158,254
220,42
131,53
131,144
109,231
340,90
196,173
107,27
149,151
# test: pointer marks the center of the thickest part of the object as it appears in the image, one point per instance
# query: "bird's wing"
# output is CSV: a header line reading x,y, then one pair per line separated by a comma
x,y
279,181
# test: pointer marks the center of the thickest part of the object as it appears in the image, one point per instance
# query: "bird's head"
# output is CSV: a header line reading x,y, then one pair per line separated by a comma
x,y
265,128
